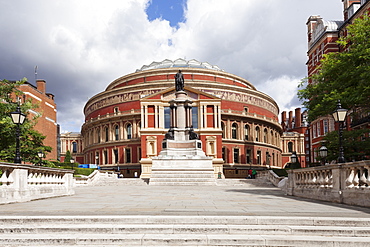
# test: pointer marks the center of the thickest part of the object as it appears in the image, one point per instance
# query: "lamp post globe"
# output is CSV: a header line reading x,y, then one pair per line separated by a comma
x,y
339,116
323,152
40,154
294,157
18,118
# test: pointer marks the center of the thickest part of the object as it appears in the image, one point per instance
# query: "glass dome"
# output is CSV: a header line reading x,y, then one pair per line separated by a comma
x,y
179,63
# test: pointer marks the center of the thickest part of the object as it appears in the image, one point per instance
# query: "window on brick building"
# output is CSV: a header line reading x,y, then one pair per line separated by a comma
x,y
167,117
326,127
236,155
116,132
194,117
223,129
265,137
259,157
74,147
234,131
290,147
128,131
116,157
98,135
248,156
257,134
246,132
105,157
106,131
128,155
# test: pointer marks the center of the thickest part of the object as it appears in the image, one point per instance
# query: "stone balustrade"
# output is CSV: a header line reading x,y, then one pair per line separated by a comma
x,y
347,183
20,183
94,178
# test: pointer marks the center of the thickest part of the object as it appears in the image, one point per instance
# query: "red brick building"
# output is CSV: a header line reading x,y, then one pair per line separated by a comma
x,y
295,138
46,112
322,37
125,124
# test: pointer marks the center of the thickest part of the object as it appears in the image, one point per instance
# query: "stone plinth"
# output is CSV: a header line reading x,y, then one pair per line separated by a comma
x,y
182,160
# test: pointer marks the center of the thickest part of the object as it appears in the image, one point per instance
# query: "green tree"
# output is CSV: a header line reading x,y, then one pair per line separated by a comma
x,y
31,141
341,75
68,157
356,145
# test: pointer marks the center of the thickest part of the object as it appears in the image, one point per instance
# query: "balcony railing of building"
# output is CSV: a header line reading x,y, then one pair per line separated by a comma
x,y
115,114
20,183
249,114
347,183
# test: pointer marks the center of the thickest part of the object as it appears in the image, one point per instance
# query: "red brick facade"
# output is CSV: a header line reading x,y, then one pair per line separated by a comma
x,y
125,125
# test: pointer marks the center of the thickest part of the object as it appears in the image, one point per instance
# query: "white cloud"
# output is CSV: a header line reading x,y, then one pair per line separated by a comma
x,y
81,46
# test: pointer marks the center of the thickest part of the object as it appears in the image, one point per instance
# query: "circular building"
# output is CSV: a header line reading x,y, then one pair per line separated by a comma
x,y
125,124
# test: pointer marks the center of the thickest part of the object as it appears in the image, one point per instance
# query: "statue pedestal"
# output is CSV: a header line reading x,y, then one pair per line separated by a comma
x,y
182,160
182,163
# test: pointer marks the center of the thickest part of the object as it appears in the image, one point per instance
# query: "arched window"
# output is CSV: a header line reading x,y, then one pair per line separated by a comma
x,y
116,132
265,137
290,147
234,131
246,132
98,135
129,131
74,147
106,131
257,134
223,129
272,137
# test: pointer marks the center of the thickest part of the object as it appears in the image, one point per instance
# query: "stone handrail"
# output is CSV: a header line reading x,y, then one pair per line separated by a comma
x,y
270,175
347,183
20,183
94,177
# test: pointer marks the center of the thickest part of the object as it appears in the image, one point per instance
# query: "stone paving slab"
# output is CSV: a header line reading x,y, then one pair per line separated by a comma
x,y
181,200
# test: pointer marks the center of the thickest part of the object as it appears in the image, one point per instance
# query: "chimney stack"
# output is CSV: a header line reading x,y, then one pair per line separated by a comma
x,y
41,86
298,118
290,121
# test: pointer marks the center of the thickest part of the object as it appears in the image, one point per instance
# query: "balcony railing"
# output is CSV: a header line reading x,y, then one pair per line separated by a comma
x,y
347,183
20,183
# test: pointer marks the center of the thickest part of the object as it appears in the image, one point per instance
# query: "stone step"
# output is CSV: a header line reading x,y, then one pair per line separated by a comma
x,y
183,231
82,239
188,229
184,220
182,175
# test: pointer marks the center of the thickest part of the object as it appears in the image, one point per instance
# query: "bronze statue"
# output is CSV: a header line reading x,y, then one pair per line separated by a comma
x,y
179,81
192,134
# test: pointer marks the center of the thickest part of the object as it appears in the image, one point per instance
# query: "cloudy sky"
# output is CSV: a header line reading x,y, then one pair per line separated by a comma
x,y
81,46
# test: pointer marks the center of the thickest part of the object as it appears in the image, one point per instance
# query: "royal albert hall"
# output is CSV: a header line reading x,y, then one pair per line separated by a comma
x,y
125,124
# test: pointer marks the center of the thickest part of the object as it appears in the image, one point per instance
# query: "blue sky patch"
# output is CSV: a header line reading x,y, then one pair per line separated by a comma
x,y
170,10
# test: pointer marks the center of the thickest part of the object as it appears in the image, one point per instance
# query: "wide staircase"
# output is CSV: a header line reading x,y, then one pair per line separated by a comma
x,y
183,231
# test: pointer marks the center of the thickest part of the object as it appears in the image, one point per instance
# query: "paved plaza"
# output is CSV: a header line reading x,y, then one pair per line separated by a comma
x,y
230,200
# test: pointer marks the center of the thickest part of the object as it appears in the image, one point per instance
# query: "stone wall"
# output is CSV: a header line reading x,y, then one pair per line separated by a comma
x,y
346,183
20,183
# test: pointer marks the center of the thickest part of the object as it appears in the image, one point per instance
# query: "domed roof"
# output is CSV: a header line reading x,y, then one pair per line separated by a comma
x,y
181,63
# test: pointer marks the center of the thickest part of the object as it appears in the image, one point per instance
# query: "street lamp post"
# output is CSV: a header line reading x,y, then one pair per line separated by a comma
x,y
339,116
41,155
72,162
18,118
323,153
294,158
